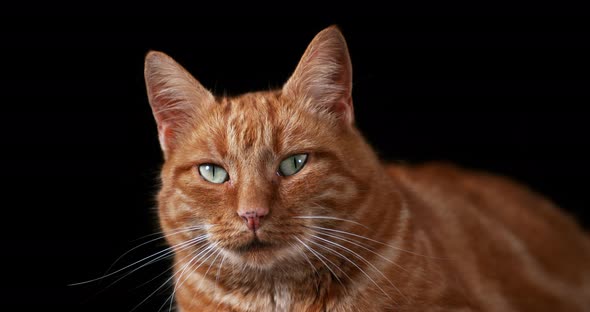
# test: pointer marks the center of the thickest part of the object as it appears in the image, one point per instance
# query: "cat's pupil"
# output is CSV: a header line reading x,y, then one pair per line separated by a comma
x,y
213,173
292,164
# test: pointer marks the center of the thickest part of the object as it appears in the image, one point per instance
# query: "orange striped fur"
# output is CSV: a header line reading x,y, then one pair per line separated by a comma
x,y
346,233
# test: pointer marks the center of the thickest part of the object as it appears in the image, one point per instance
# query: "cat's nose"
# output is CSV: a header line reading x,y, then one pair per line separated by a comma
x,y
253,217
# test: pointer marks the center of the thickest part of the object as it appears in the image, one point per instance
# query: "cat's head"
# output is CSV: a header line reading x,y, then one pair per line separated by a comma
x,y
254,175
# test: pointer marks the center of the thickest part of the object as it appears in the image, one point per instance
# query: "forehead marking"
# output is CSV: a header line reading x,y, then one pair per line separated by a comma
x,y
249,126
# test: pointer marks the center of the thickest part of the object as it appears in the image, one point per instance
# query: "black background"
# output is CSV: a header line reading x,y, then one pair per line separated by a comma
x,y
502,90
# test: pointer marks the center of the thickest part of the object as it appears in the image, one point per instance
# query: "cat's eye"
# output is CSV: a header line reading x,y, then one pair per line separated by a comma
x,y
213,173
292,164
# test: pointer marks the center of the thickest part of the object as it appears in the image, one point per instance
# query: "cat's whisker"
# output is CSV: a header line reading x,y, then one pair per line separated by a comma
x,y
180,272
170,252
359,244
306,258
302,251
219,270
362,259
213,261
164,283
180,231
320,256
330,218
374,241
170,268
155,257
174,232
219,252
167,270
198,251
208,253
354,264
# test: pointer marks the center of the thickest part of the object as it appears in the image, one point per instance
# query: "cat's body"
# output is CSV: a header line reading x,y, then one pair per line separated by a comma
x,y
340,231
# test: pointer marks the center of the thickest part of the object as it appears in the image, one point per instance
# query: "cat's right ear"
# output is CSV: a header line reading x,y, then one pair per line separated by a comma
x,y
323,77
175,96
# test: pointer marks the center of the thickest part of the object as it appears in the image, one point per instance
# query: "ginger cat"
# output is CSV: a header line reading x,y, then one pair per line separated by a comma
x,y
273,201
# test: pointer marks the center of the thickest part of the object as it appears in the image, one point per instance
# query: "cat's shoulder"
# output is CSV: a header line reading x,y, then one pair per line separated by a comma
x,y
441,171
452,178
504,196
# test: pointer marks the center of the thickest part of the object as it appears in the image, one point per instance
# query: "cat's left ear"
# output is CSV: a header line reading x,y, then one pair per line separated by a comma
x,y
323,77
175,96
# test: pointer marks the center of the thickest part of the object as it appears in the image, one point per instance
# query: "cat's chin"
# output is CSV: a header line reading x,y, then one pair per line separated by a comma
x,y
257,253
254,246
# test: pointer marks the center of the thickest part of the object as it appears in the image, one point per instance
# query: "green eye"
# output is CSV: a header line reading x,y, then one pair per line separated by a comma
x,y
291,165
213,173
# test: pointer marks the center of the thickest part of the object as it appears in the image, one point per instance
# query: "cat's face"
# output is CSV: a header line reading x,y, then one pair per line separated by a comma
x,y
253,175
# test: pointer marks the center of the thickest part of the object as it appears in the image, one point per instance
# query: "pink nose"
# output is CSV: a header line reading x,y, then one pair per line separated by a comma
x,y
253,218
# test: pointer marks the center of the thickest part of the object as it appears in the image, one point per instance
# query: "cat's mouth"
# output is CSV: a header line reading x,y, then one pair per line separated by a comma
x,y
254,245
